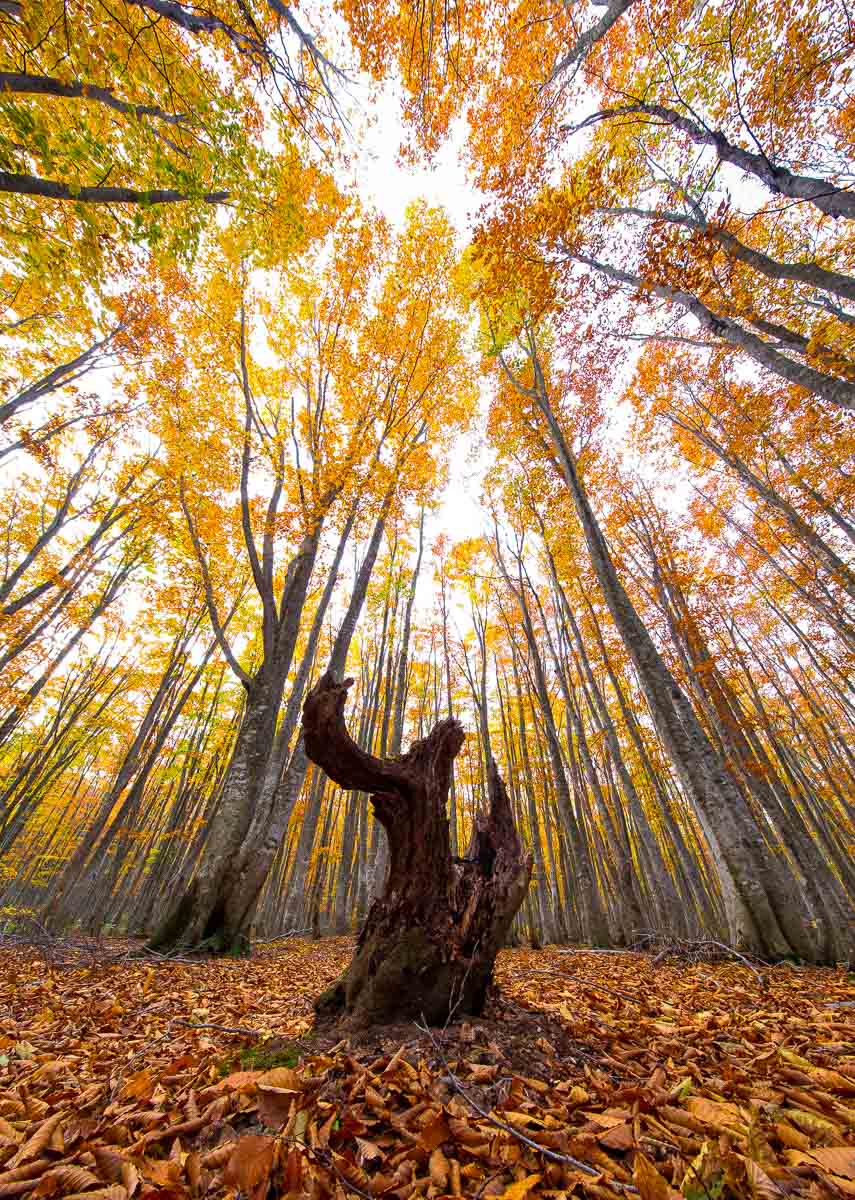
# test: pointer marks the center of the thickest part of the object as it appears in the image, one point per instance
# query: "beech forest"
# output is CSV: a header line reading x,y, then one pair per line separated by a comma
x,y
427,599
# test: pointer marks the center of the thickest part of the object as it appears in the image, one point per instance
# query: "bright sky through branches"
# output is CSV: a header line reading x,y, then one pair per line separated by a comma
x,y
391,185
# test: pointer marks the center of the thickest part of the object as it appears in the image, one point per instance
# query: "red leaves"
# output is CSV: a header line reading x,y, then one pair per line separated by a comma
x,y
250,1165
671,1080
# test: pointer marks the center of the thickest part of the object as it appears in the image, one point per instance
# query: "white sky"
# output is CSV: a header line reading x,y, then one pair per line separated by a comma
x,y
390,185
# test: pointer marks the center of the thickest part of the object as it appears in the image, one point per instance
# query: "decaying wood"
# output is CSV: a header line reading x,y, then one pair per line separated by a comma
x,y
429,943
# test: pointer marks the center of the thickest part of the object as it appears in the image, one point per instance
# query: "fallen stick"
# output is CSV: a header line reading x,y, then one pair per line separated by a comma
x,y
552,1155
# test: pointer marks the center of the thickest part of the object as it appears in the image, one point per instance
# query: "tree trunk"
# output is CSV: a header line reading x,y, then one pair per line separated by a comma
x,y
765,908
429,943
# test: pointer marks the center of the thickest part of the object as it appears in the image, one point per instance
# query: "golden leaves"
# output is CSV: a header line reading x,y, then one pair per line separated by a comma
x,y
711,1117
651,1185
520,1189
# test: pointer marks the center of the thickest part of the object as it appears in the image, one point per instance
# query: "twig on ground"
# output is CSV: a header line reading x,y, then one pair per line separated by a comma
x,y
146,953
115,1081
763,981
280,937
597,987
489,1180
222,1028
695,950
72,950
552,1155
591,950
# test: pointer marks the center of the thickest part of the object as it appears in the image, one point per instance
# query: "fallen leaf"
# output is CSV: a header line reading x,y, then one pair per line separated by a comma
x,y
651,1185
839,1160
520,1189
439,1169
40,1140
250,1164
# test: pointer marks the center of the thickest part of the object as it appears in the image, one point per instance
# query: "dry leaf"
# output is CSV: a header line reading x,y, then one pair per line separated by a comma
x,y
139,1086
65,1179
651,1185
367,1152
762,1187
280,1079
839,1160
520,1189
41,1140
111,1193
619,1137
250,1164
439,1169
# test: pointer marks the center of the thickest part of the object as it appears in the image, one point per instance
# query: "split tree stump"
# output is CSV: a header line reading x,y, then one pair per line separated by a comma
x,y
429,943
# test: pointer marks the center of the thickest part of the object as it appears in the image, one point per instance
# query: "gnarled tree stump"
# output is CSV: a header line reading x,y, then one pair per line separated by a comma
x,y
429,943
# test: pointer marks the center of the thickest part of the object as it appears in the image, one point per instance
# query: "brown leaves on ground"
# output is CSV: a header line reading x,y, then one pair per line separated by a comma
x,y
662,1081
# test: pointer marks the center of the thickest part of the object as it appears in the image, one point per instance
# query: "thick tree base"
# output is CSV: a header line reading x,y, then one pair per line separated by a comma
x,y
409,977
185,930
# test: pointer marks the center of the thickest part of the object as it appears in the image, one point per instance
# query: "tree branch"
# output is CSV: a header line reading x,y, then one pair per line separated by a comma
x,y
330,746
587,40
809,273
826,196
43,85
52,189
838,391
216,624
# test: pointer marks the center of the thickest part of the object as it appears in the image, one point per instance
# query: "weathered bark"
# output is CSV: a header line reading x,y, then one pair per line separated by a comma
x,y
429,943
281,784
198,916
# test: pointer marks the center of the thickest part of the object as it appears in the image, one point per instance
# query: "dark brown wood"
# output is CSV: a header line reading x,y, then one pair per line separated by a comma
x,y
429,943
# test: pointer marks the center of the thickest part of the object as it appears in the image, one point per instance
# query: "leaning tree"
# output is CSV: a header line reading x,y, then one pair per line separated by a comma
x,y
429,943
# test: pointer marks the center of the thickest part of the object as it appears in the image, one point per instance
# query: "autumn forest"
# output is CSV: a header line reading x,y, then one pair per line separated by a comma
x,y
405,596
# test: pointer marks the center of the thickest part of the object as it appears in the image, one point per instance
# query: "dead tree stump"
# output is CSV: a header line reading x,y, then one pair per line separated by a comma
x,y
429,943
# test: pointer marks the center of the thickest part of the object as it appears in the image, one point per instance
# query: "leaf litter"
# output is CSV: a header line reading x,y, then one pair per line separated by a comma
x,y
589,1075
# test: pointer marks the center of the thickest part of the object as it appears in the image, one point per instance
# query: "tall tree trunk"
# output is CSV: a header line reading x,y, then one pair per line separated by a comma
x,y
595,928
766,910
198,916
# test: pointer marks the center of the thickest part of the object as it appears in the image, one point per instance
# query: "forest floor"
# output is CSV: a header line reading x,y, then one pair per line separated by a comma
x,y
590,1075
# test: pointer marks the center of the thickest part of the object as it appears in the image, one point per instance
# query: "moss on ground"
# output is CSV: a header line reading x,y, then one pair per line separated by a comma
x,y
263,1056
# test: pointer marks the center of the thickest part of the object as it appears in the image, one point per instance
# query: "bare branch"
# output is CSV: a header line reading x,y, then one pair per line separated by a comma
x,y
52,189
43,85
